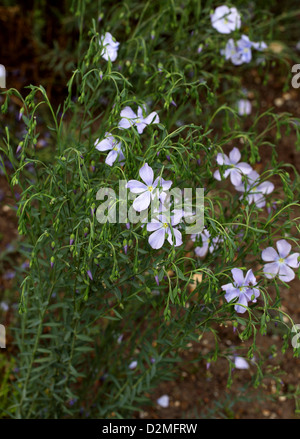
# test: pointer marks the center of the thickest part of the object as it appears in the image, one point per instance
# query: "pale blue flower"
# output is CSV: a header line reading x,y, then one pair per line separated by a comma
x,y
109,143
234,168
109,47
225,19
162,228
254,190
149,189
281,261
241,289
129,118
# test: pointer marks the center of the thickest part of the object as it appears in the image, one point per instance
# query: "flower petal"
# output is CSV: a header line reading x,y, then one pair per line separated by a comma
x,y
136,187
244,168
157,238
146,174
238,276
154,225
201,251
142,201
250,278
284,248
151,118
270,270
242,303
292,260
234,156
286,274
105,144
111,157
178,237
269,254
235,177
241,363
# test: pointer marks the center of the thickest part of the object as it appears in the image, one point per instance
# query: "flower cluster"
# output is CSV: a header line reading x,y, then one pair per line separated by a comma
x,y
226,20
253,189
240,52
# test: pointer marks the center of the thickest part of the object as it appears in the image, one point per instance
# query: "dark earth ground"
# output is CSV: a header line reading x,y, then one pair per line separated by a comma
x,y
198,391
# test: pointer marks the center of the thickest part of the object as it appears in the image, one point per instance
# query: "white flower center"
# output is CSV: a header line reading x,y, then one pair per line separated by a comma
x,y
150,188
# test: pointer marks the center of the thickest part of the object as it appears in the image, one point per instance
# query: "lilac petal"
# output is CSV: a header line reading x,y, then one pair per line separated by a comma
x,y
235,156
244,168
140,126
136,187
217,175
178,237
222,159
163,401
105,144
133,365
165,184
242,301
232,294
111,157
154,225
283,247
238,276
256,293
235,177
140,112
152,118
142,201
146,174
201,251
227,287
157,239
292,260
269,254
241,363
125,123
266,187
250,278
270,270
258,199
128,113
286,274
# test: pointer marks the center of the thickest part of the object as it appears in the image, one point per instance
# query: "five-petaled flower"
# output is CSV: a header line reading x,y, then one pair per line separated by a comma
x,y
149,189
225,19
241,289
162,227
240,52
244,107
109,47
130,118
208,243
234,168
254,190
109,143
281,262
